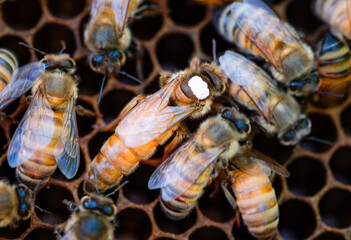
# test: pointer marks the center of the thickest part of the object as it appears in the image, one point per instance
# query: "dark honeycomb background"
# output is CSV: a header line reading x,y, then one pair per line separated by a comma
x,y
314,201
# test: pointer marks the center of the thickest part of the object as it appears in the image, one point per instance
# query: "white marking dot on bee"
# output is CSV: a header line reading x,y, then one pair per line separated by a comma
x,y
199,87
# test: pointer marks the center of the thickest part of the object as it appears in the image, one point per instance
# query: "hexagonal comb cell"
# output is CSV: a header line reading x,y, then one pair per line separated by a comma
x,y
174,32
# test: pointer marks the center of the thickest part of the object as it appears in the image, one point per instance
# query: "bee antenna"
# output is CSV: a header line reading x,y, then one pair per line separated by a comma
x,y
214,55
63,47
38,185
96,187
33,48
331,94
119,187
320,140
42,210
102,87
128,75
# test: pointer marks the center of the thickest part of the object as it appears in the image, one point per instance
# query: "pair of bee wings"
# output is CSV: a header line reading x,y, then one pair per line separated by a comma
x,y
120,8
253,80
66,150
185,165
22,79
250,157
263,28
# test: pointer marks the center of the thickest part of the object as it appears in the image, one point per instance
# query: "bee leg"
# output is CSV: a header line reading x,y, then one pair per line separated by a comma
x,y
58,232
232,202
82,111
164,78
181,133
134,102
71,205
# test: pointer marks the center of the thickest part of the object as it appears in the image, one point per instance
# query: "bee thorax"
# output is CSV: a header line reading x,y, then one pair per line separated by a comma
x,y
199,87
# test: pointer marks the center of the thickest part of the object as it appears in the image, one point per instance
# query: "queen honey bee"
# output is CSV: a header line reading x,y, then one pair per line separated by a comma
x,y
16,203
256,30
274,110
336,13
47,135
255,197
107,36
334,64
147,122
187,171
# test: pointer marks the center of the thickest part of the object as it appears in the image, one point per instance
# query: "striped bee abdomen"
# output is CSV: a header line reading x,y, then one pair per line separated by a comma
x,y
8,64
334,64
257,202
180,207
37,150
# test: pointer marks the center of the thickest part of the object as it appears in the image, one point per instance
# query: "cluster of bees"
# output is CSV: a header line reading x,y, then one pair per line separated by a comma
x,y
233,90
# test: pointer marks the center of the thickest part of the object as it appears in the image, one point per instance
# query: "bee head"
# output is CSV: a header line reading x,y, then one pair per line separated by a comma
x,y
305,86
62,62
25,200
238,120
106,63
215,77
99,204
296,132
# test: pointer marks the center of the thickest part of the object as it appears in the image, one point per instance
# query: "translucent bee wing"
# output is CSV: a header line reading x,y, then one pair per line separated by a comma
x,y
262,28
253,80
22,79
183,167
97,7
120,9
32,130
66,151
250,157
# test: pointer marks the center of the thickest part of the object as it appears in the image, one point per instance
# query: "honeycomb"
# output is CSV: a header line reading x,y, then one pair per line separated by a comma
x,y
314,201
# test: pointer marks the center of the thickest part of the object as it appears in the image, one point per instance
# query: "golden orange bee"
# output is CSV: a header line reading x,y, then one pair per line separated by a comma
x,y
107,36
274,110
147,122
336,13
47,136
256,30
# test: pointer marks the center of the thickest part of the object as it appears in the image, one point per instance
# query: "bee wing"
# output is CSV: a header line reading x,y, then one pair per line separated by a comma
x,y
22,79
259,27
66,150
250,157
97,7
183,167
120,9
32,130
253,80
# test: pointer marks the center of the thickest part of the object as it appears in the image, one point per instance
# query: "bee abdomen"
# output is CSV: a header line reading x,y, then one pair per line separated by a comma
x,y
8,204
113,162
8,64
39,162
257,203
180,207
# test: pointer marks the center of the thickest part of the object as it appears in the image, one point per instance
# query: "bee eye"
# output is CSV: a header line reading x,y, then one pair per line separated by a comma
x,y
69,63
45,62
294,86
23,210
289,136
242,126
107,210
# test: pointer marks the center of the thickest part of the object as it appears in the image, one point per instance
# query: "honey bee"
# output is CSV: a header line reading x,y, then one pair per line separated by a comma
x,y
92,220
107,36
147,122
15,81
334,65
274,110
16,203
336,13
255,197
187,171
47,136
256,30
